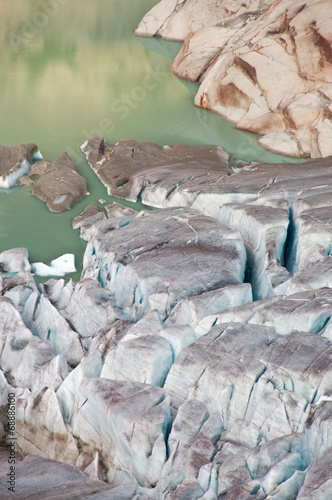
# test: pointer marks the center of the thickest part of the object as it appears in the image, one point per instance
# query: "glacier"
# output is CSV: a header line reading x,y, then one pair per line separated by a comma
x,y
193,358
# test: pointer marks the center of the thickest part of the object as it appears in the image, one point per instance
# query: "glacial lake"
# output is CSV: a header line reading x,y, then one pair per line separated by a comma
x,y
72,69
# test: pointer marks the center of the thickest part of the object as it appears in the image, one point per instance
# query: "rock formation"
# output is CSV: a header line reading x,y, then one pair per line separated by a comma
x,y
193,359
251,60
58,183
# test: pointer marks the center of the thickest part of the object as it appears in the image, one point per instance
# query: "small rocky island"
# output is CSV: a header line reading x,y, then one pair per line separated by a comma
x,y
193,358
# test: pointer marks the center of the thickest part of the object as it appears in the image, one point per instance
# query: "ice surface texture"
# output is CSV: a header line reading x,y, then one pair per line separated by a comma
x,y
193,359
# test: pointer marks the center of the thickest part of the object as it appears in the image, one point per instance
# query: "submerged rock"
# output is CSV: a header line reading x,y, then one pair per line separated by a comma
x,y
251,61
58,183
15,162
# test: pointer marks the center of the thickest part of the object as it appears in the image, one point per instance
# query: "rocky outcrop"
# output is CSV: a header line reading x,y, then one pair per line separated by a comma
x,y
251,61
15,162
58,183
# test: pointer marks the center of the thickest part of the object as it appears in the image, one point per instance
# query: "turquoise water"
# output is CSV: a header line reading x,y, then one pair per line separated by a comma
x,y
72,69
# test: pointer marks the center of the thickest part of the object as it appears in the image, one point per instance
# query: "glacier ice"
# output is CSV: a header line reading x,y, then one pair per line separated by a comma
x,y
46,322
11,177
39,414
128,429
142,264
15,260
59,267
193,357
26,360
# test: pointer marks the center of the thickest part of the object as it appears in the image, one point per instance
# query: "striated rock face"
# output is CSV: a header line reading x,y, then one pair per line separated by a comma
x,y
15,162
58,183
251,61
175,19
193,359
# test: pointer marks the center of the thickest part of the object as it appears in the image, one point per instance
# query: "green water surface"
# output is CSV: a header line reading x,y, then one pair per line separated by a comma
x,y
72,69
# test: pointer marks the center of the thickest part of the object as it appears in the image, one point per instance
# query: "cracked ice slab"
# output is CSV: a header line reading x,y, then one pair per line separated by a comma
x,y
281,211
257,472
162,257
129,428
27,360
248,372
40,414
220,369
86,305
204,180
307,311
14,260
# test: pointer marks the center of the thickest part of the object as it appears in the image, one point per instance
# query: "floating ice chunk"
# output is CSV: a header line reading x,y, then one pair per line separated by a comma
x,y
59,267
41,269
9,179
65,263
37,156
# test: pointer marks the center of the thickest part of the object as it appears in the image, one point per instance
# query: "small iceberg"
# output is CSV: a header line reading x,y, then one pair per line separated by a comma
x,y
59,267
37,156
16,161
18,170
